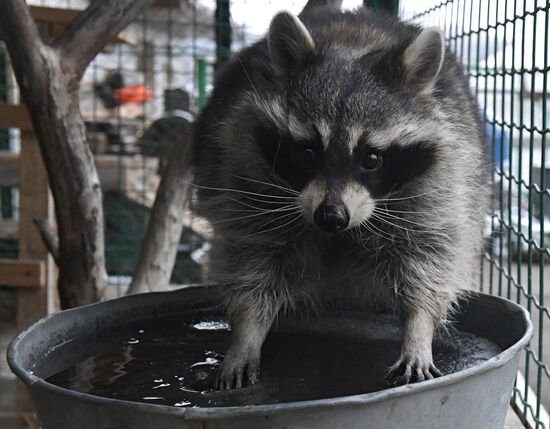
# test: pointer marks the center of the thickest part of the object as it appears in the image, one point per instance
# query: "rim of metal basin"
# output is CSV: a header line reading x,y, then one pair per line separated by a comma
x,y
214,413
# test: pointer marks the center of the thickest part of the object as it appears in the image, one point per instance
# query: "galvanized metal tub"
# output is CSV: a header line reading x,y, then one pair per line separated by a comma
x,y
473,398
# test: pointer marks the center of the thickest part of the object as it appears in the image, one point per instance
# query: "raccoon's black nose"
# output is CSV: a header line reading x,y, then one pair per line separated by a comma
x,y
331,217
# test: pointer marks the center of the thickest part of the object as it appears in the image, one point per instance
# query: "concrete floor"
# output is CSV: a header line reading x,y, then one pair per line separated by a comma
x,y
513,421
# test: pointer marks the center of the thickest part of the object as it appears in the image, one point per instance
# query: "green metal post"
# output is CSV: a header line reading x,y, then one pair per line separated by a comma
x,y
389,5
223,32
201,81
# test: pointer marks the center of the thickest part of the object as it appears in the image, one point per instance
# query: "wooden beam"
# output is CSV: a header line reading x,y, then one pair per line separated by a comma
x,y
9,169
53,15
23,273
53,20
18,419
15,116
13,421
115,173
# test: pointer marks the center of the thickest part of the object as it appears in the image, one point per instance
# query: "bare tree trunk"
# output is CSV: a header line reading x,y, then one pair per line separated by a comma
x,y
159,249
49,78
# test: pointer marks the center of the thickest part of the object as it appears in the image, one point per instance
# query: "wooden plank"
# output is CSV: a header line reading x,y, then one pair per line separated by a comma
x,y
18,420
13,421
15,116
23,273
53,20
53,15
114,173
35,202
9,169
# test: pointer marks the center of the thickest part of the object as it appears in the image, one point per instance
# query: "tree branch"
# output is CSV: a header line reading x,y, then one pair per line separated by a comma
x,y
23,41
94,28
49,237
158,251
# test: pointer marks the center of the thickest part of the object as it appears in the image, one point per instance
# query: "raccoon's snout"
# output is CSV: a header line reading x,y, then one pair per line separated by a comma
x,y
331,217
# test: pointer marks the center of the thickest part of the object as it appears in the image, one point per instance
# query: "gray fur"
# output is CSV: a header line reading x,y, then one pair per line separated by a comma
x,y
411,249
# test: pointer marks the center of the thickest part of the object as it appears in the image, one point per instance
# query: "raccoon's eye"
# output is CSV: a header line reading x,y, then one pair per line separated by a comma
x,y
307,156
371,161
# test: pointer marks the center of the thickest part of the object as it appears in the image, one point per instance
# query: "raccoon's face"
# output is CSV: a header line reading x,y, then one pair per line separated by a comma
x,y
343,129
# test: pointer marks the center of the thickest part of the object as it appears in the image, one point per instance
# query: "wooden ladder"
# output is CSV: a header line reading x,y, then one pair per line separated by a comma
x,y
33,273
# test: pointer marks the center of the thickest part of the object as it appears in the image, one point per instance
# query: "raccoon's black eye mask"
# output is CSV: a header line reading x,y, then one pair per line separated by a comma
x,y
380,171
296,162
395,166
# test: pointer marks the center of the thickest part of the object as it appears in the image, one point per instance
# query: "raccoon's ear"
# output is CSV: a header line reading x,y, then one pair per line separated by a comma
x,y
288,40
423,59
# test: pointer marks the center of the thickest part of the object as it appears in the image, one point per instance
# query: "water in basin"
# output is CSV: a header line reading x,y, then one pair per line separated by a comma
x,y
174,362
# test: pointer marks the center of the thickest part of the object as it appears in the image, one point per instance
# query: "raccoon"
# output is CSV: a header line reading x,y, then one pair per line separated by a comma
x,y
341,159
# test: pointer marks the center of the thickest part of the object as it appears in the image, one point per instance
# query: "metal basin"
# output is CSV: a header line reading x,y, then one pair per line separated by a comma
x,y
476,397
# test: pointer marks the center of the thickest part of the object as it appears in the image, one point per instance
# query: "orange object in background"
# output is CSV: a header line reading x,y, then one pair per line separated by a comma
x,y
133,94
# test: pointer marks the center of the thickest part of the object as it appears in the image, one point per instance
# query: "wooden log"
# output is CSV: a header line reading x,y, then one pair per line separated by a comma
x,y
23,273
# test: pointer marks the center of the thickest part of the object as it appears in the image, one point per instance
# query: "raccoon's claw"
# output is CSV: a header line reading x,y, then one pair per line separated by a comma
x,y
237,372
409,369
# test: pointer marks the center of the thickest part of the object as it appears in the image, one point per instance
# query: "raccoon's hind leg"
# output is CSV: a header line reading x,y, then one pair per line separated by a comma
x,y
251,315
415,362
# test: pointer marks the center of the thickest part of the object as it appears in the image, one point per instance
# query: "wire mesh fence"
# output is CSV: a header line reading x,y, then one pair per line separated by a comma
x,y
504,48
161,69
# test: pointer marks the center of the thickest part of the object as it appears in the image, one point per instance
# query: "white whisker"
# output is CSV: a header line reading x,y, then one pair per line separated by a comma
x,y
283,188
232,190
408,230
280,217
293,209
407,197
292,228
287,204
381,216
275,228
380,232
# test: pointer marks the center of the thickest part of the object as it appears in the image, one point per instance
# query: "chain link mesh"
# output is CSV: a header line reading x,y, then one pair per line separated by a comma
x,y
167,60
503,45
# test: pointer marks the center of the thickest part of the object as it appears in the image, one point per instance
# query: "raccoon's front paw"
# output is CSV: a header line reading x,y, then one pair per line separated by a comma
x,y
411,368
238,369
